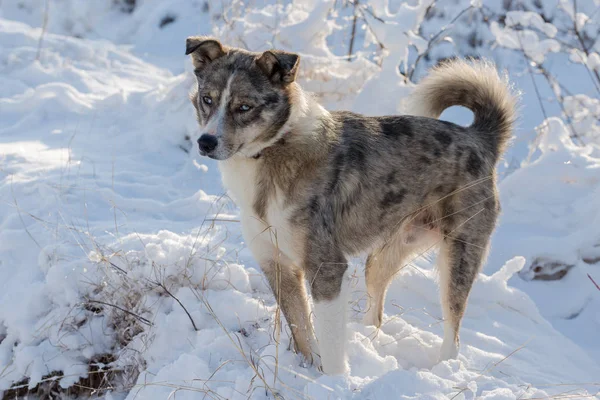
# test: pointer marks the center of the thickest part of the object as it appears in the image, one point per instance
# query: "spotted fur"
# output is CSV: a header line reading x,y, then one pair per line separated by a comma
x,y
316,187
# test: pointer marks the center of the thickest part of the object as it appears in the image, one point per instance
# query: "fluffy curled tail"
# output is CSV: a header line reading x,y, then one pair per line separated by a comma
x,y
475,85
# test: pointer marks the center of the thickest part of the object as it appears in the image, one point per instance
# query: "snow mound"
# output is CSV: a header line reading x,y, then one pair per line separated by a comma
x,y
556,219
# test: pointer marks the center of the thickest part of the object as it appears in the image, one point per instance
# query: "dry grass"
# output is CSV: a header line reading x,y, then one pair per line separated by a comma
x,y
128,307
100,378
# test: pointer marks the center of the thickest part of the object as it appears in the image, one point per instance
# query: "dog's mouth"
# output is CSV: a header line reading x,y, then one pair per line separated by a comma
x,y
220,156
209,155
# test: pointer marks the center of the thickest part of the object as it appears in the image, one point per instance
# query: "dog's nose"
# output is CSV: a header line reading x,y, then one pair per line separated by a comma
x,y
207,143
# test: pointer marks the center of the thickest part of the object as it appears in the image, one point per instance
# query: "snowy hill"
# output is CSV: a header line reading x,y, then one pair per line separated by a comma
x,y
123,272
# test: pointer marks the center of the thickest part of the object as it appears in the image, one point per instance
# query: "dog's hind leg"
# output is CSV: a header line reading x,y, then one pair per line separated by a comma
x,y
381,267
385,262
459,261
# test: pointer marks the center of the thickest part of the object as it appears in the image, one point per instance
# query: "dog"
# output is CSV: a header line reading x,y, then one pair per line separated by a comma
x,y
315,187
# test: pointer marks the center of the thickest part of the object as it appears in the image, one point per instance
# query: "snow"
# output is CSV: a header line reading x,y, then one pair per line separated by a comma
x,y
529,18
117,239
546,220
525,39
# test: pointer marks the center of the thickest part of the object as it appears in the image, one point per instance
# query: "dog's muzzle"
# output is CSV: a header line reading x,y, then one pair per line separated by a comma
x,y
207,144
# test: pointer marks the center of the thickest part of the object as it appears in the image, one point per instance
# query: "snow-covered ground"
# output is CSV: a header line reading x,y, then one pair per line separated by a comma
x,y
122,266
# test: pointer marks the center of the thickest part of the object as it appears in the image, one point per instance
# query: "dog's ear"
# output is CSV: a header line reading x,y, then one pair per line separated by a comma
x,y
204,50
279,66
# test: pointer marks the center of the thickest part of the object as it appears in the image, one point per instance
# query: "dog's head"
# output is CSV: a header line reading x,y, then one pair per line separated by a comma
x,y
243,99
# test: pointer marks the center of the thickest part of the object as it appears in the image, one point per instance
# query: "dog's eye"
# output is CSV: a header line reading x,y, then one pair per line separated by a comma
x,y
244,108
207,100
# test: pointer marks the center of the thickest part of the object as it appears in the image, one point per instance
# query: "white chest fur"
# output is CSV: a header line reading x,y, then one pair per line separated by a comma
x,y
263,236
239,178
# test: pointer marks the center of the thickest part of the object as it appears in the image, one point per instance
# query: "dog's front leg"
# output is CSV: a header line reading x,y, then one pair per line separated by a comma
x,y
288,288
287,284
327,278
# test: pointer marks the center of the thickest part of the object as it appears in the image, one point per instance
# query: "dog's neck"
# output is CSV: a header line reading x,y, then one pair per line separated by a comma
x,y
303,124
280,141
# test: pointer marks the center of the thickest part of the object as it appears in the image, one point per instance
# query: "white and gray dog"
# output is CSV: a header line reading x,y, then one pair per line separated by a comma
x,y
315,187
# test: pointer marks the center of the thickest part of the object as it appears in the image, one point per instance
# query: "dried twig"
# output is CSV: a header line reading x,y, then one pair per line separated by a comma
x,y
222,220
559,97
182,306
494,365
44,25
537,93
434,40
593,281
353,34
584,48
142,319
368,25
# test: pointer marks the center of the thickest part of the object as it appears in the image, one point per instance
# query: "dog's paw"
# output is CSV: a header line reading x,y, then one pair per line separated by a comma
x,y
370,319
449,350
318,365
314,360
335,367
